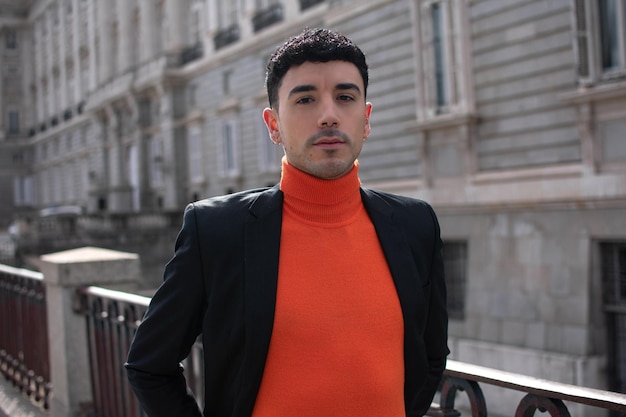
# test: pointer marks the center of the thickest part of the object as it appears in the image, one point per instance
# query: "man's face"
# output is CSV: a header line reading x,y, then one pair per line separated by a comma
x,y
322,118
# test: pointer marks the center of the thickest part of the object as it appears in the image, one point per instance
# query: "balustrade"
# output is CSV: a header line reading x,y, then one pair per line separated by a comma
x,y
111,318
24,334
541,394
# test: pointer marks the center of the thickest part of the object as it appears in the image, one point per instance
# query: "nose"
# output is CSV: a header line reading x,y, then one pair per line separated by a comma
x,y
328,114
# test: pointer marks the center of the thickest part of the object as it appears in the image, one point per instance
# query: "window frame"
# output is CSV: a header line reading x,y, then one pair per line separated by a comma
x,y
157,178
456,260
194,149
454,51
270,154
10,38
228,154
588,46
13,122
23,190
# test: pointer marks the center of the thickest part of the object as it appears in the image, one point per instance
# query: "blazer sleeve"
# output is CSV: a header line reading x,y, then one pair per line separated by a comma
x,y
436,330
169,329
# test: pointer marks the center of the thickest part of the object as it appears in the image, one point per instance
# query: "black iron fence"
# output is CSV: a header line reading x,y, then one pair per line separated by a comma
x,y
113,316
541,394
24,333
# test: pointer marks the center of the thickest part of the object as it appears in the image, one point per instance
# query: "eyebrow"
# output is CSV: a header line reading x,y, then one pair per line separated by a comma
x,y
309,87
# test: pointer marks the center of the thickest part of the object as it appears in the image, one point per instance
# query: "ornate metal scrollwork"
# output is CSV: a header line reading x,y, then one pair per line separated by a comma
x,y
449,388
531,403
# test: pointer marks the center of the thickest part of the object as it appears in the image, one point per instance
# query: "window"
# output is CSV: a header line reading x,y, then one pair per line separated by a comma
x,y
156,161
268,12
14,122
227,13
194,146
23,190
455,268
18,158
133,175
613,267
262,4
613,255
145,112
442,59
270,154
600,39
229,155
195,24
227,77
68,179
10,38
612,37
437,39
305,4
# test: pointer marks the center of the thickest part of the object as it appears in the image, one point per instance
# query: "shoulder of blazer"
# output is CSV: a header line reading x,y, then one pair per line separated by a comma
x,y
392,204
257,202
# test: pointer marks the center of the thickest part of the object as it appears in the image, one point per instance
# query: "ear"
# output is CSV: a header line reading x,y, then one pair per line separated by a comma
x,y
367,129
271,121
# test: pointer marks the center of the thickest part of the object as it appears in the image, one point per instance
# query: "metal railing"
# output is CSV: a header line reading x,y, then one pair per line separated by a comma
x,y
226,36
305,4
540,395
116,315
24,333
267,17
112,318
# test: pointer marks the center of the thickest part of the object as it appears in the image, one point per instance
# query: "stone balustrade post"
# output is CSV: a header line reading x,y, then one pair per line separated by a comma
x,y
63,273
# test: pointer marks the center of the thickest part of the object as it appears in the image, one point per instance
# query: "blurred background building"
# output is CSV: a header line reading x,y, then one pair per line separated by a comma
x,y
509,116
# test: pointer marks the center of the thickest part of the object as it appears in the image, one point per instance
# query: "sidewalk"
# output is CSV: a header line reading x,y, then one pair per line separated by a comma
x,y
14,404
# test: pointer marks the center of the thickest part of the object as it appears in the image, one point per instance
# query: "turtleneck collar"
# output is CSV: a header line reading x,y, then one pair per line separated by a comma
x,y
314,200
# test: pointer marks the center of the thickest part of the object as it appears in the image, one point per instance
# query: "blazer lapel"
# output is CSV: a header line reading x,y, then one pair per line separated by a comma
x,y
261,253
396,249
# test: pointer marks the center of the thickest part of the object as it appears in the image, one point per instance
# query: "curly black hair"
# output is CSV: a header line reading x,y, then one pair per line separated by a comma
x,y
312,45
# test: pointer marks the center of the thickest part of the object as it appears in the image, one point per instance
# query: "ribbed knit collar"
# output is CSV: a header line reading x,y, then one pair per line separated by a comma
x,y
314,200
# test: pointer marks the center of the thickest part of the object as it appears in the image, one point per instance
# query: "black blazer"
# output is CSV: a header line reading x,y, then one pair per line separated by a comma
x,y
221,283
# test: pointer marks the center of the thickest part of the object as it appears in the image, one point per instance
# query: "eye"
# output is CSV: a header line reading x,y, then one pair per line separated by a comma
x,y
345,97
304,100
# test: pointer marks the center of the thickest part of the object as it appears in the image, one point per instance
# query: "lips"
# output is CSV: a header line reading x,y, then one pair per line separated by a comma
x,y
328,141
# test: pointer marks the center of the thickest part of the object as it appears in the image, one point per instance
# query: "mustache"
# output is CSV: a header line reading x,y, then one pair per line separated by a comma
x,y
328,133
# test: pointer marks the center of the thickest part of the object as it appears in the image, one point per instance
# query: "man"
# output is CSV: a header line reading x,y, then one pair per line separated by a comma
x,y
315,297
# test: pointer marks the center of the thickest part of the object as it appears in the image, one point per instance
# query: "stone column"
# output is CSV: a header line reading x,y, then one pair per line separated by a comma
x,y
91,34
39,70
147,30
174,14
65,272
50,91
76,93
62,35
124,19
104,42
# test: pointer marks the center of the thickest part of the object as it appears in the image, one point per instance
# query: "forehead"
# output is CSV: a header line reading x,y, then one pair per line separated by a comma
x,y
321,75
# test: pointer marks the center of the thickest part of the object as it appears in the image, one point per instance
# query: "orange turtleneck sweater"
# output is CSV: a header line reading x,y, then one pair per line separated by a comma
x,y
337,343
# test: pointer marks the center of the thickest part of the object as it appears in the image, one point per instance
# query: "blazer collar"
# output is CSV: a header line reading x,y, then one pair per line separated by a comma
x,y
396,248
261,253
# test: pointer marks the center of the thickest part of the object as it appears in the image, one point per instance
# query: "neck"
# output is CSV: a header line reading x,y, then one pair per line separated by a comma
x,y
316,200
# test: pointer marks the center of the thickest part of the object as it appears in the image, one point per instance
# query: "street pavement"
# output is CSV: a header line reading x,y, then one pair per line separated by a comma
x,y
14,404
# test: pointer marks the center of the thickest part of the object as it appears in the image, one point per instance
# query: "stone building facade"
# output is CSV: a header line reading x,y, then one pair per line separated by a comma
x,y
507,115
